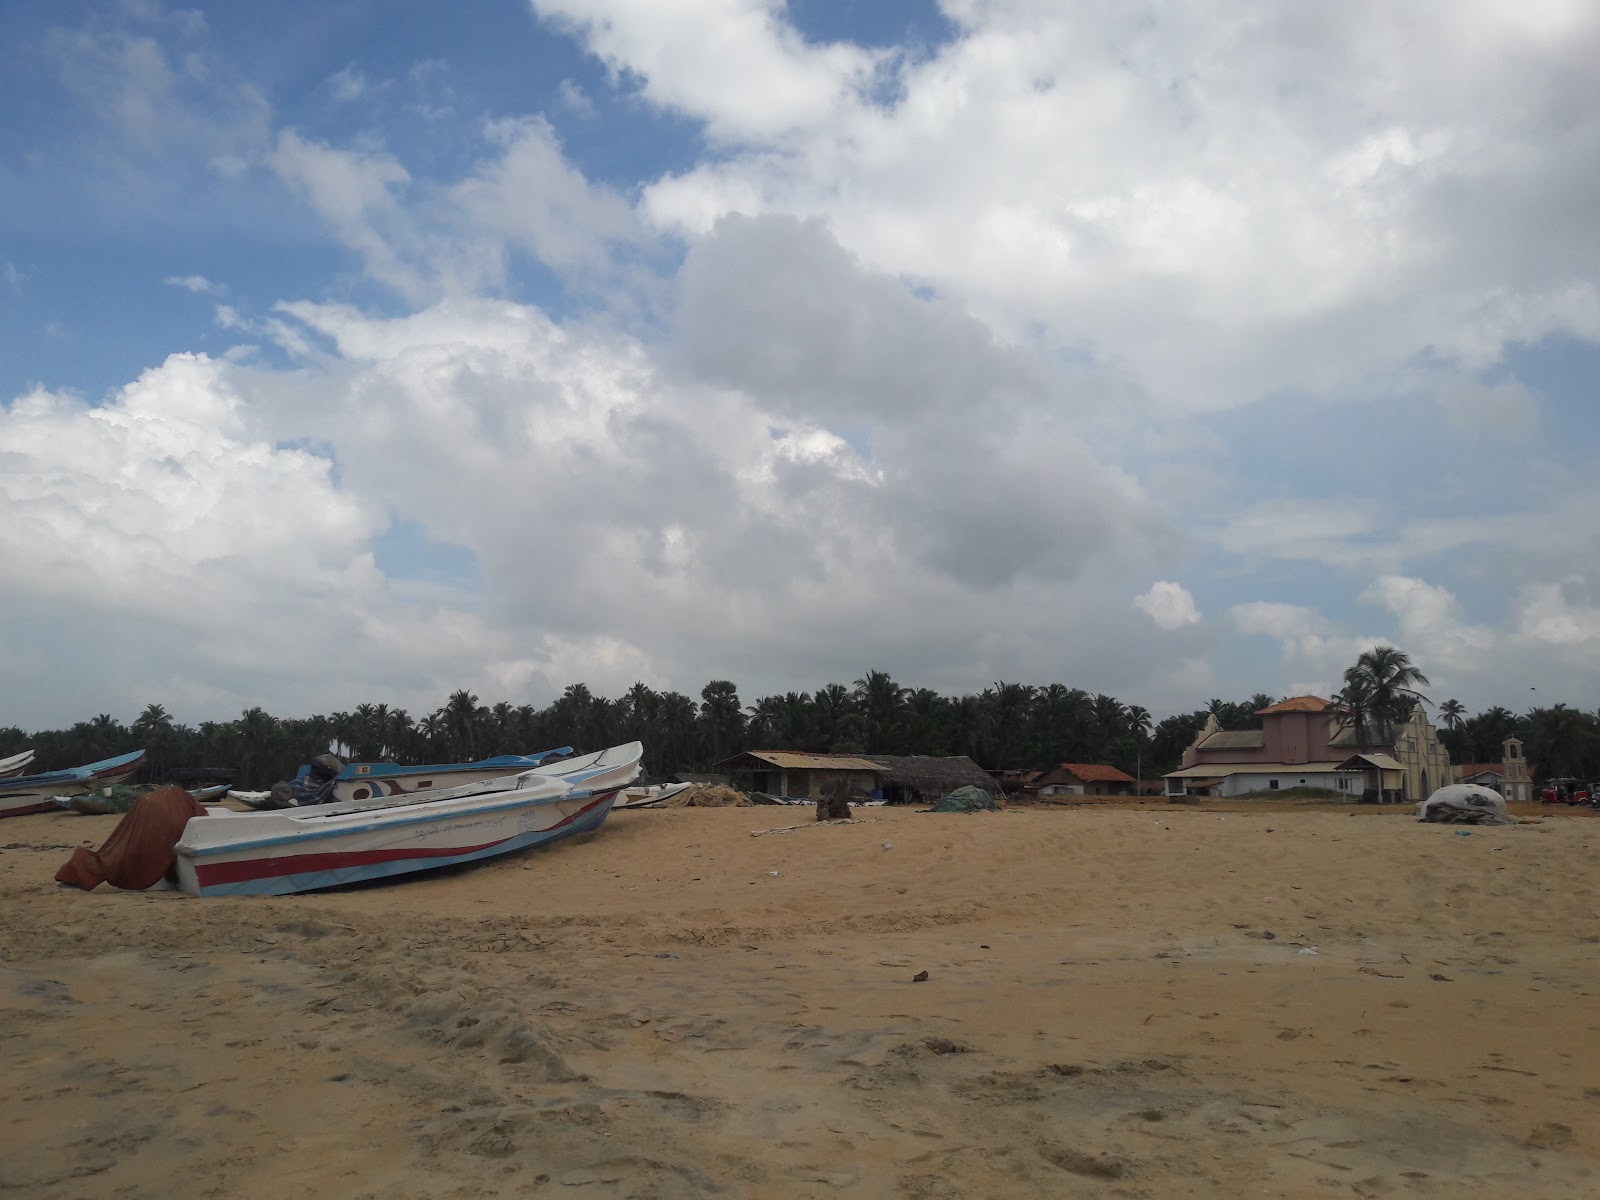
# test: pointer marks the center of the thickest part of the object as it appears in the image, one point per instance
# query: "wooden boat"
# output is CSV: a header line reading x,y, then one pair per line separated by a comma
x,y
304,849
36,793
650,797
361,781
16,764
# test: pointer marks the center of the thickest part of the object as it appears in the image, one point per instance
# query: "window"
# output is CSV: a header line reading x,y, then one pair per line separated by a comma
x,y
1511,750
1272,784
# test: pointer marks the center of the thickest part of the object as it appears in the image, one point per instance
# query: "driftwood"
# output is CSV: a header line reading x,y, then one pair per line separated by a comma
x,y
834,803
792,828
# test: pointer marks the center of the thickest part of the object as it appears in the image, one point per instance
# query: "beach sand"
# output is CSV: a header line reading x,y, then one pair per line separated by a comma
x,y
1148,1001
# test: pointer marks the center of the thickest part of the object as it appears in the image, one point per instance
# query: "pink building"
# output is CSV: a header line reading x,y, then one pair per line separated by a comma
x,y
1305,741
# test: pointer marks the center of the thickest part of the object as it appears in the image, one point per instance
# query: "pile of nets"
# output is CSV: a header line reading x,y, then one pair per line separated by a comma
x,y
708,795
966,800
117,798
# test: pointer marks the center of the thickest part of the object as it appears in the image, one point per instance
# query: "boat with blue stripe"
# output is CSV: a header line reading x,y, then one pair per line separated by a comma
x,y
303,849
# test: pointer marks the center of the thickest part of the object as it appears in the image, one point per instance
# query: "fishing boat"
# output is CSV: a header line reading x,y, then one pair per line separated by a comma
x,y
16,764
304,849
36,793
362,781
650,797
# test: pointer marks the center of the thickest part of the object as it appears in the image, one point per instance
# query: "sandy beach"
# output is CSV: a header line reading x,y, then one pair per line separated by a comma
x,y
1149,1001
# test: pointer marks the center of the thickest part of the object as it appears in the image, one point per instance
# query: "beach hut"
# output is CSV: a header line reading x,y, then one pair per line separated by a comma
x,y
924,778
799,775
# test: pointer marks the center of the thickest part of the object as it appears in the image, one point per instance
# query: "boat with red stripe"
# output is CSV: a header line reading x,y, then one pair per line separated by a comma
x,y
303,849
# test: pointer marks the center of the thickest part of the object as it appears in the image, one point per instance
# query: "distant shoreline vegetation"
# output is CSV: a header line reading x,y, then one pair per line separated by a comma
x,y
1005,726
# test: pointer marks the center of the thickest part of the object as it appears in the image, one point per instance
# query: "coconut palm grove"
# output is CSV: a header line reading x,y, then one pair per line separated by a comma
x,y
1005,726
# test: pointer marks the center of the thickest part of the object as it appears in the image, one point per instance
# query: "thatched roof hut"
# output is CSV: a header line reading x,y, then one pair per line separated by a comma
x,y
922,778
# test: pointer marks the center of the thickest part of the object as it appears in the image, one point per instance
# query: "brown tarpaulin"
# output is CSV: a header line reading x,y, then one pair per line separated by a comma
x,y
139,850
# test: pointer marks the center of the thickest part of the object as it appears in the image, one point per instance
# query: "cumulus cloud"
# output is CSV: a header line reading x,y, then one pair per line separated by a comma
x,y
1431,625
1548,615
1170,605
738,65
873,382
528,195
357,193
1305,636
1167,190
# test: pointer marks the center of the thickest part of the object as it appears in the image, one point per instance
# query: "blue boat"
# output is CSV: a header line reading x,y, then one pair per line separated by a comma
x,y
362,781
36,793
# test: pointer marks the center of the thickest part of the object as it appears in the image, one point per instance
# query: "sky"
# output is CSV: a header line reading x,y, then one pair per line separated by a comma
x,y
367,351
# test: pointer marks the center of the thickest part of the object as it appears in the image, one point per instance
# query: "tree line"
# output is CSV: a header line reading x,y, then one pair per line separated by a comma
x,y
1005,726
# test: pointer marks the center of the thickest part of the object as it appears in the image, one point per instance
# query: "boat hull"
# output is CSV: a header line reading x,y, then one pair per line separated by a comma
x,y
381,850
363,781
305,849
16,764
36,793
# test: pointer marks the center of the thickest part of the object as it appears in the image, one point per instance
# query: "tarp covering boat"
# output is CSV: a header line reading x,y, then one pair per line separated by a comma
x,y
1465,804
139,851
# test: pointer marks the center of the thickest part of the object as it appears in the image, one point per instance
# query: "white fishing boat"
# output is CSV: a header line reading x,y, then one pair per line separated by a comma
x,y
305,849
363,780
21,794
16,764
650,797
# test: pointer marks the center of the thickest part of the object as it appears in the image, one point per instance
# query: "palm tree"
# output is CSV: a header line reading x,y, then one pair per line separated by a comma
x,y
462,718
1381,686
768,722
722,716
882,704
1453,713
1008,705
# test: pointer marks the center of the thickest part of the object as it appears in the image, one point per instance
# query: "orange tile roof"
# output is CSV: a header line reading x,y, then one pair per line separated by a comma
x,y
1096,773
1295,704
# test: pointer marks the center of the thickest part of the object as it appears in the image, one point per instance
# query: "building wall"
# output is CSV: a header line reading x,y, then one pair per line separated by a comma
x,y
1515,785
1418,749
1295,737
1339,781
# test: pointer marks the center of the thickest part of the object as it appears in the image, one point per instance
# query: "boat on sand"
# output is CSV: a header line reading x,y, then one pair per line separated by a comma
x,y
362,781
16,764
303,849
36,793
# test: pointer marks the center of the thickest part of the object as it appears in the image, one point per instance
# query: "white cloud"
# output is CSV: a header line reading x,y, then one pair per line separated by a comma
x,y
1546,615
1170,605
1223,204
349,83
736,64
575,98
530,196
1431,626
356,193
1306,637
198,284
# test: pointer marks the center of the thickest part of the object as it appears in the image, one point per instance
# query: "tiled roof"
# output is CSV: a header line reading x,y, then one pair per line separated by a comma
x,y
1295,704
1096,773
1234,739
